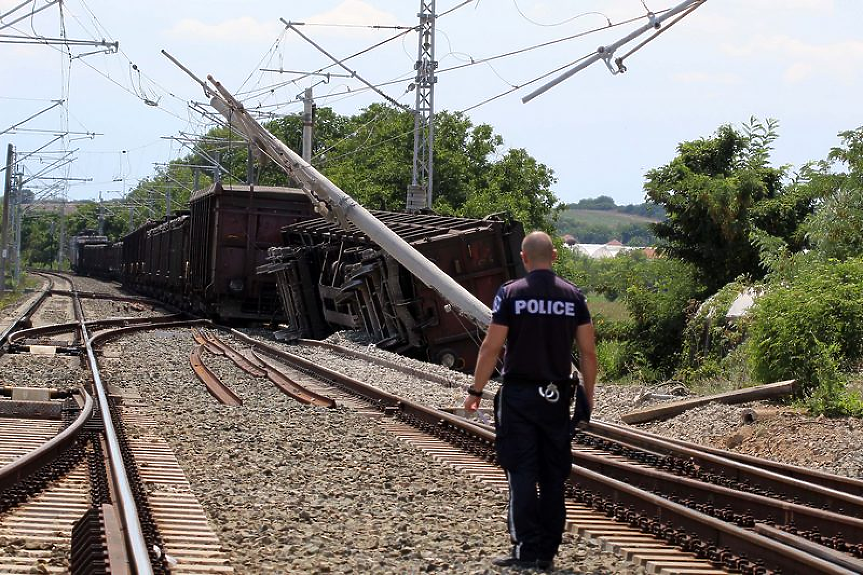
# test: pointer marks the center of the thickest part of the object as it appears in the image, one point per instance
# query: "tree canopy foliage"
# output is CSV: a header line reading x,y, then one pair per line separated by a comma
x,y
836,228
722,198
369,155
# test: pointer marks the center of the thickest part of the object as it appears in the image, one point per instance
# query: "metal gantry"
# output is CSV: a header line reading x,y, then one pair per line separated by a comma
x,y
420,191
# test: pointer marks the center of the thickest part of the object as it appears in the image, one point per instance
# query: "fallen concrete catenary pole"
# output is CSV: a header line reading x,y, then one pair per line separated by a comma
x,y
332,203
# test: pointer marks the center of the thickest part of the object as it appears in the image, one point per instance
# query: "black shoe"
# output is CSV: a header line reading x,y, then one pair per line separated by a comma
x,y
510,561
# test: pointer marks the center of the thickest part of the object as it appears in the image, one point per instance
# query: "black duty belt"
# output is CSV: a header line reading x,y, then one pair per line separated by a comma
x,y
525,381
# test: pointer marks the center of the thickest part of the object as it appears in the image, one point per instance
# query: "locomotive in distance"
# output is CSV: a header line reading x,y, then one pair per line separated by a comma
x,y
259,254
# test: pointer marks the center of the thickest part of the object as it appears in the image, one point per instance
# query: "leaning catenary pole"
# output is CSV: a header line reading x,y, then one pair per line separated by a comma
x,y
332,202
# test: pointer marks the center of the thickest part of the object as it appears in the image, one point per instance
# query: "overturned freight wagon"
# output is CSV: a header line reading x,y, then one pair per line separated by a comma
x,y
331,278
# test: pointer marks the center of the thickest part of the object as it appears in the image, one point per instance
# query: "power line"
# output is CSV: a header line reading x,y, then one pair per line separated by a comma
x,y
528,83
340,63
562,22
371,26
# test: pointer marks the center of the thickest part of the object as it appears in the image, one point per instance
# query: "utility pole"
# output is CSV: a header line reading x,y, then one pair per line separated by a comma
x,y
101,216
422,180
62,239
217,172
250,167
196,175
308,123
10,162
131,218
168,201
19,197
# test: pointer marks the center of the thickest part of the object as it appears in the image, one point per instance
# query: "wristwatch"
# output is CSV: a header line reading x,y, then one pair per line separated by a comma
x,y
474,392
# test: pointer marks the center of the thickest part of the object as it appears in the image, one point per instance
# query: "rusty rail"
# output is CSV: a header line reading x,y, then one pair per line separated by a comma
x,y
106,336
13,472
292,388
235,356
850,485
805,491
214,385
724,543
54,329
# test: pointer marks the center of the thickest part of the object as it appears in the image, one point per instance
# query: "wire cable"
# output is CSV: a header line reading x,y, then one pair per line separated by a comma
x,y
562,22
528,83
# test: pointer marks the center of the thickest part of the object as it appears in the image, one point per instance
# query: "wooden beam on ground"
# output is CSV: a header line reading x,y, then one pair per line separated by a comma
x,y
666,410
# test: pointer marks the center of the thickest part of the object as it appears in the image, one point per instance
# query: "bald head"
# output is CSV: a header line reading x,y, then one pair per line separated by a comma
x,y
537,251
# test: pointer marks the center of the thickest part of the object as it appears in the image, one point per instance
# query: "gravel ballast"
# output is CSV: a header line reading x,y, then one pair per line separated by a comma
x,y
290,488
293,489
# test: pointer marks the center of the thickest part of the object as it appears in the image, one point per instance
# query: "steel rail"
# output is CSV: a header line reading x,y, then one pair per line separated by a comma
x,y
31,307
103,337
850,485
16,470
814,494
292,388
58,328
744,504
235,356
139,552
214,385
716,533
208,345
103,295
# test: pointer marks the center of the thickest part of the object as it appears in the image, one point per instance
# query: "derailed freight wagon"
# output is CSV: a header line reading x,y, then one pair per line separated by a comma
x,y
165,253
100,260
135,250
231,229
330,278
76,246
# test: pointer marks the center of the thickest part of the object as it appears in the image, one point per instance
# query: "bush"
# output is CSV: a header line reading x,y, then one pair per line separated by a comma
x,y
809,326
709,336
660,294
613,359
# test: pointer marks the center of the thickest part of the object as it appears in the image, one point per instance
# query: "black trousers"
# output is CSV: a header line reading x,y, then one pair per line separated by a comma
x,y
533,446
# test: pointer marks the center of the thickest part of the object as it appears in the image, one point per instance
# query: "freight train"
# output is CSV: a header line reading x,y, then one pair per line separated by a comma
x,y
262,254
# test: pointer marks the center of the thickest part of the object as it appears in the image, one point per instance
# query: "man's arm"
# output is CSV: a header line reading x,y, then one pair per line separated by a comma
x,y
586,340
489,352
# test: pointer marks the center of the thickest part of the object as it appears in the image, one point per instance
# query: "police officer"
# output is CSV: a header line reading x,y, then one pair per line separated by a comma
x,y
536,318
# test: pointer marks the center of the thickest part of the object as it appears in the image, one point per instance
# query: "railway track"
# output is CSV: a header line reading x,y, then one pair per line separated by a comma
x,y
79,493
669,506
702,512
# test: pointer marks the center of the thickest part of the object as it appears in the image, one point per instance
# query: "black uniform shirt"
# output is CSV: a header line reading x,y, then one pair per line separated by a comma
x,y
542,312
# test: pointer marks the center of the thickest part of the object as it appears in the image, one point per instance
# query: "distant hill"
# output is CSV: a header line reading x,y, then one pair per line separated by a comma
x,y
600,220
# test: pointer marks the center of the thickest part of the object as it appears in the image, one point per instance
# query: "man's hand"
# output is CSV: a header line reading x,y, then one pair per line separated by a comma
x,y
471,403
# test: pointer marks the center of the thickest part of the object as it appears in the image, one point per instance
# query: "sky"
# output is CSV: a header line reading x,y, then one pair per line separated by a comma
x,y
798,61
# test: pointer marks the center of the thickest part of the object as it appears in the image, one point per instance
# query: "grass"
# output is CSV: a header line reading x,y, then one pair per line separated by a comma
x,y
603,217
610,310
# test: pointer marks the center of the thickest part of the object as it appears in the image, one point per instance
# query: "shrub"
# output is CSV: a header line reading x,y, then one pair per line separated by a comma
x,y
809,326
660,294
709,336
613,359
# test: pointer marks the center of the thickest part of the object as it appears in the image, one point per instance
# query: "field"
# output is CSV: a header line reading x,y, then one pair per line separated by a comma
x,y
601,226
603,217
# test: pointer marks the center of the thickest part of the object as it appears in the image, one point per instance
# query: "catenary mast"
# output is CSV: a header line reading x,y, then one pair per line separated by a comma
x,y
420,190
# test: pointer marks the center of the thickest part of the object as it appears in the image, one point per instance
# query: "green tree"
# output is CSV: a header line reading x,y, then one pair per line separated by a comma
x,y
86,217
835,227
369,156
720,195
